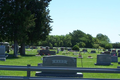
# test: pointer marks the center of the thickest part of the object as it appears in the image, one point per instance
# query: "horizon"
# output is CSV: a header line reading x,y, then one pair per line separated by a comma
x,y
91,17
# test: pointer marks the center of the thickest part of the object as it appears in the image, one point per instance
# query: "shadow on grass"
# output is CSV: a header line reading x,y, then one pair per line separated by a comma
x,y
11,56
28,55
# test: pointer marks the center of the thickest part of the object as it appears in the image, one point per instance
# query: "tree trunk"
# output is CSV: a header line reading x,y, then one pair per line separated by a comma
x,y
22,50
15,48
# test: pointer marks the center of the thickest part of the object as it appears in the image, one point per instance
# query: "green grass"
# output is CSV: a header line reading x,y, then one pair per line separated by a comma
x,y
33,60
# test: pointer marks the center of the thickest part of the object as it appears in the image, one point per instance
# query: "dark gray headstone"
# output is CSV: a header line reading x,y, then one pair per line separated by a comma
x,y
59,61
26,47
47,52
93,51
84,50
109,50
106,52
47,48
69,49
113,54
114,59
2,53
118,51
62,62
118,54
62,49
103,59
114,51
51,48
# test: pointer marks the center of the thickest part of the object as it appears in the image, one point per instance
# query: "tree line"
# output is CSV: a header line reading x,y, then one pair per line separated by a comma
x,y
77,37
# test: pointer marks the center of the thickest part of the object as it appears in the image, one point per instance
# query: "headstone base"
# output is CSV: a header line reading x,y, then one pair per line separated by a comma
x,y
80,75
80,57
90,57
2,59
103,64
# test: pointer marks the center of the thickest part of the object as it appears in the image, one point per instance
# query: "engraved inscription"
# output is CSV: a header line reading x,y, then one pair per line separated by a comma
x,y
59,61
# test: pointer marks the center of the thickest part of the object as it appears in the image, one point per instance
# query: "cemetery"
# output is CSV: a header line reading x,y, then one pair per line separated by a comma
x,y
37,42
105,60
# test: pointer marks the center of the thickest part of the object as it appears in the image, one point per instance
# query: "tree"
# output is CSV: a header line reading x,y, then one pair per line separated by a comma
x,y
102,37
82,44
89,43
77,36
42,23
75,47
15,21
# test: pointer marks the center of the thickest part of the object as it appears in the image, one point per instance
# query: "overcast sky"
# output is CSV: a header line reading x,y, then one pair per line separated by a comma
x,y
90,16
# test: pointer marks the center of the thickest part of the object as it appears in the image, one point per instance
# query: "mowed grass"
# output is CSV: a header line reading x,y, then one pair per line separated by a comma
x,y
33,60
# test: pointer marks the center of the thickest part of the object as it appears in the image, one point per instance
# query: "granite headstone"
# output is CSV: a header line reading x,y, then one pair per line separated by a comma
x,y
59,62
2,53
103,59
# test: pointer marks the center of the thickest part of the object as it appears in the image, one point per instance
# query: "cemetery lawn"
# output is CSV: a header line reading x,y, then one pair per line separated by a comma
x,y
33,60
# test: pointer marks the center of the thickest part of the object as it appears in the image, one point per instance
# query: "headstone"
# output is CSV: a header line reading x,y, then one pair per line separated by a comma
x,y
114,51
118,54
69,49
2,53
118,51
106,52
114,57
103,59
84,50
113,54
51,48
57,50
62,49
93,51
59,62
27,47
47,52
47,48
109,50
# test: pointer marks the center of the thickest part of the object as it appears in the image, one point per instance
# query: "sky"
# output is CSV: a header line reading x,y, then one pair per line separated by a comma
x,y
90,16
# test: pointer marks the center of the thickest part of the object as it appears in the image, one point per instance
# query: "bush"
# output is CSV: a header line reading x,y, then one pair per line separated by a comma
x,y
108,46
75,47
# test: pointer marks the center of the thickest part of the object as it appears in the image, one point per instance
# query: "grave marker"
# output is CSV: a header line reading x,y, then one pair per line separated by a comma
x,y
114,51
93,51
103,59
59,61
118,54
114,57
47,52
2,53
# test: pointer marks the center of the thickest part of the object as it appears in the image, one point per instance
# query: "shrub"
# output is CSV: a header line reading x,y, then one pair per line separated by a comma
x,y
108,46
75,47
